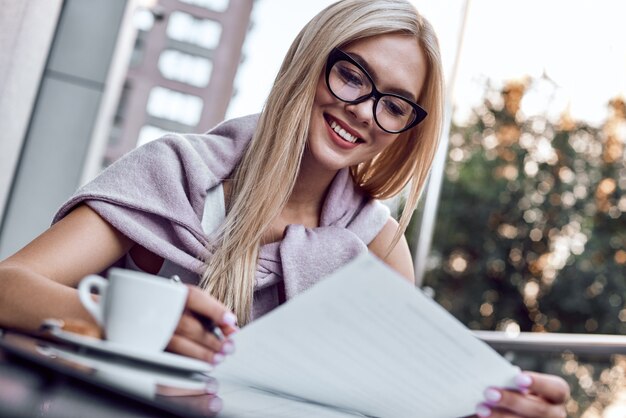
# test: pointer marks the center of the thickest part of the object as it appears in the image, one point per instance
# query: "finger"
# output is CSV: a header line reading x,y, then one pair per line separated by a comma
x,y
491,412
552,388
500,413
519,404
229,330
483,411
210,388
181,345
191,328
204,304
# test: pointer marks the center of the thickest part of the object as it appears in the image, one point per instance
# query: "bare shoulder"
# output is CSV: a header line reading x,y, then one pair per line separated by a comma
x,y
399,258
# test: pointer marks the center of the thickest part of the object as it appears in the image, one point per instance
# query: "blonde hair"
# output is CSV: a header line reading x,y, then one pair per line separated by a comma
x,y
266,175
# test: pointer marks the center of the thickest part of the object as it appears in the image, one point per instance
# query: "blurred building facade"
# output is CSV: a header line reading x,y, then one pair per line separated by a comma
x,y
182,71
84,81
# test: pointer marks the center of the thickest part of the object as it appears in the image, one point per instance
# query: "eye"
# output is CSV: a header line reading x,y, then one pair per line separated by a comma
x,y
395,107
350,75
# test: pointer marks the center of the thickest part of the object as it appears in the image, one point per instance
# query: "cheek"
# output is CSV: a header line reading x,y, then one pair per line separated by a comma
x,y
318,101
384,141
322,95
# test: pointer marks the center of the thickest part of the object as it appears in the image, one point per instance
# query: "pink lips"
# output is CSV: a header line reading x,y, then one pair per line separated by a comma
x,y
338,140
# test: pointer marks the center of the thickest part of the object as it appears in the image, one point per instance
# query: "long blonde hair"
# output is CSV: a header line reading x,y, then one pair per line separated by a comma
x,y
266,175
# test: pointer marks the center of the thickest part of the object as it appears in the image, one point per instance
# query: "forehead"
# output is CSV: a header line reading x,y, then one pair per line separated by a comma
x,y
396,61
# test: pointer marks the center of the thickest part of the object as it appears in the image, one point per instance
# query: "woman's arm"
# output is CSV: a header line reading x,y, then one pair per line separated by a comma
x,y
399,258
39,281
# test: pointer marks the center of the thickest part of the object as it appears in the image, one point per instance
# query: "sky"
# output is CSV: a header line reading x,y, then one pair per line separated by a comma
x,y
576,44
579,45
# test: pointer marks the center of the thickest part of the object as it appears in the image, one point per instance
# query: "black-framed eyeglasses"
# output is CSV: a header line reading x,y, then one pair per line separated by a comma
x,y
348,81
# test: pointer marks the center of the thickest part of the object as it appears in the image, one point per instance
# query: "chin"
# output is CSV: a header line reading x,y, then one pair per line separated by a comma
x,y
324,157
324,152
328,161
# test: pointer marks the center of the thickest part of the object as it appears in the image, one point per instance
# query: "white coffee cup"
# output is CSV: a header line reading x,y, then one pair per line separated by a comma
x,y
135,309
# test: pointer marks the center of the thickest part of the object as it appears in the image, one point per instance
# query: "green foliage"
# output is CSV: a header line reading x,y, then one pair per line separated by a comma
x,y
531,229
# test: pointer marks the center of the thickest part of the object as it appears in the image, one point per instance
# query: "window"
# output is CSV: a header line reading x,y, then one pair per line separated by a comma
x,y
184,27
186,68
143,19
179,107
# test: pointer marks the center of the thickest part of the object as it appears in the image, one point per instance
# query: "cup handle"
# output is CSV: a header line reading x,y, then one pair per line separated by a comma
x,y
84,294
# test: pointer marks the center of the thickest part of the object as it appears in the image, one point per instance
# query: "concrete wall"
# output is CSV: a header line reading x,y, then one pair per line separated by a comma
x,y
26,32
68,107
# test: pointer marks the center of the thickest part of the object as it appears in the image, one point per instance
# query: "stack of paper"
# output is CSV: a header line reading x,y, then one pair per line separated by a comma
x,y
365,340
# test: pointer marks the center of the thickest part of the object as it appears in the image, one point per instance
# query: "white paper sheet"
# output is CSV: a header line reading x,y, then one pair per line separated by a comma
x,y
365,340
241,401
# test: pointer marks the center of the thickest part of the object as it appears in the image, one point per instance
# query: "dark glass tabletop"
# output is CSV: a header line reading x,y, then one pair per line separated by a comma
x,y
47,378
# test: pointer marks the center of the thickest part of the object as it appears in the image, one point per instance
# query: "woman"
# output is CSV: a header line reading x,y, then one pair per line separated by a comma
x,y
261,208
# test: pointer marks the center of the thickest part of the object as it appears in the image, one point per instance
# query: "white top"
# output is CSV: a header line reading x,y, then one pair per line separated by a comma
x,y
212,217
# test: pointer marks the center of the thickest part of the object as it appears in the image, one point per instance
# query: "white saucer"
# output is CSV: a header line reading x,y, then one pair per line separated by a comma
x,y
160,358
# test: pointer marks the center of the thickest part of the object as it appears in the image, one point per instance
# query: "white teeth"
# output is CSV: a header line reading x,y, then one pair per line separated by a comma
x,y
342,132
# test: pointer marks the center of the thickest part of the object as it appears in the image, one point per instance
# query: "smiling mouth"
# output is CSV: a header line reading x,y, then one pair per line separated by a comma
x,y
346,136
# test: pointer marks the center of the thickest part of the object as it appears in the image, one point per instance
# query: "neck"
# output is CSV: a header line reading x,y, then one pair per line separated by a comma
x,y
305,203
311,186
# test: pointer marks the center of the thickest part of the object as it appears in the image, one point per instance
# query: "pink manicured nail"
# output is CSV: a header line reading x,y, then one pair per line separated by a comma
x,y
228,348
492,395
217,358
523,381
229,318
483,411
215,405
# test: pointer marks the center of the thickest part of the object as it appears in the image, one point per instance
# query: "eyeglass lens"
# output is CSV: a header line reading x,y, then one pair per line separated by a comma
x,y
349,83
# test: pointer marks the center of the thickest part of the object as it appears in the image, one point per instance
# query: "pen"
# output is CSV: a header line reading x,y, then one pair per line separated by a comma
x,y
209,325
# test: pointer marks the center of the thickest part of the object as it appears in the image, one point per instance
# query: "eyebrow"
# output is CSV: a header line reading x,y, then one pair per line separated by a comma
x,y
404,93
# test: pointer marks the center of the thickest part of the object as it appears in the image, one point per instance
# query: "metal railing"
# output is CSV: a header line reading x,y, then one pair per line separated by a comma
x,y
581,344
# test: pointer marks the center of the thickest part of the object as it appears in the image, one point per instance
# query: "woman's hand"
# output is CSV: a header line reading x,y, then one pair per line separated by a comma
x,y
193,338
538,396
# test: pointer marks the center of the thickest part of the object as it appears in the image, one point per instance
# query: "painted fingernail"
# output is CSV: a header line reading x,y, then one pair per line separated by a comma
x,y
229,318
217,358
483,411
492,395
228,348
523,381
215,405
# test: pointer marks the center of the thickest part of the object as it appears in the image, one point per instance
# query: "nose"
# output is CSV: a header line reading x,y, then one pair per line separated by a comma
x,y
363,112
